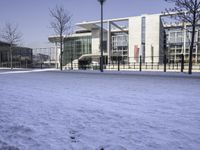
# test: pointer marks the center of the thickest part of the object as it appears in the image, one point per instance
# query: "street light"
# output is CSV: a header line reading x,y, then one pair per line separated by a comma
x,y
101,44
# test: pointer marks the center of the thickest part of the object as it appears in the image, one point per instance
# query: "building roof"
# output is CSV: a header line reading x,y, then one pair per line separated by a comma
x,y
96,55
93,24
4,43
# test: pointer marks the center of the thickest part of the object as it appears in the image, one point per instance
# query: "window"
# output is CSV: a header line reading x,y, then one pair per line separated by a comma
x,y
179,37
75,47
120,45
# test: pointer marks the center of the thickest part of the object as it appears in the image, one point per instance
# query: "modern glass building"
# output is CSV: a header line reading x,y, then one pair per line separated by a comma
x,y
126,39
22,56
178,43
75,47
119,47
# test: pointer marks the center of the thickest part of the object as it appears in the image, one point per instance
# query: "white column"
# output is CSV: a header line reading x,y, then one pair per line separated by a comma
x,y
57,55
185,38
196,46
109,40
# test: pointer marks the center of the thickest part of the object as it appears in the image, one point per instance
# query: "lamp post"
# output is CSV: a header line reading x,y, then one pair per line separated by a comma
x,y
101,41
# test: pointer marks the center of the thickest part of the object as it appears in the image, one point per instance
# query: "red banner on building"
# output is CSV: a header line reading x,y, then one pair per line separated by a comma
x,y
136,53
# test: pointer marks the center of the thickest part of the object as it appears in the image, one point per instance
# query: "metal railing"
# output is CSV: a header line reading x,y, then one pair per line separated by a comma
x,y
162,63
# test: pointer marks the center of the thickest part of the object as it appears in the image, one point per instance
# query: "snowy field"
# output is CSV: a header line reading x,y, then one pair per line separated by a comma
x,y
89,111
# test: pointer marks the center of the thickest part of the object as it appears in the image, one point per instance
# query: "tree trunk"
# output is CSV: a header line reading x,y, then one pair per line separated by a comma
x,y
61,47
191,53
0,59
192,44
11,58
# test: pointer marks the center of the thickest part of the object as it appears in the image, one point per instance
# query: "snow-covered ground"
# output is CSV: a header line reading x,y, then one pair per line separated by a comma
x,y
90,111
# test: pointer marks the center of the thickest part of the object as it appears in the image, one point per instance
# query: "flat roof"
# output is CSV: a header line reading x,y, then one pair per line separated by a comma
x,y
5,43
93,24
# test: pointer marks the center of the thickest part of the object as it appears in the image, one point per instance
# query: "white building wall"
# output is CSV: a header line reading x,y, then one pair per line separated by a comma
x,y
134,36
152,40
79,35
57,57
95,41
96,34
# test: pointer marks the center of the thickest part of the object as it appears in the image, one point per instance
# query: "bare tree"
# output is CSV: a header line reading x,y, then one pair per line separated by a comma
x,y
11,35
187,11
61,23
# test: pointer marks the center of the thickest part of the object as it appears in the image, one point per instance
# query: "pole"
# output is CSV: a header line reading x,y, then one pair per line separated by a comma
x,y
165,63
118,63
101,44
182,63
61,51
140,63
71,63
11,57
0,59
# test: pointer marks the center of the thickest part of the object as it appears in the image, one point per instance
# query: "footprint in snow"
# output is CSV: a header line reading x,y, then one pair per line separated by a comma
x,y
74,136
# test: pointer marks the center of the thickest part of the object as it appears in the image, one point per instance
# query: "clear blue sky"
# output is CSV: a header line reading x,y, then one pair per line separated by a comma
x,y
32,16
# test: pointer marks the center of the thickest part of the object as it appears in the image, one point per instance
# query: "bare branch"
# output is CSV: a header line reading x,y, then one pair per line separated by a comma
x,y
187,11
61,24
61,20
11,34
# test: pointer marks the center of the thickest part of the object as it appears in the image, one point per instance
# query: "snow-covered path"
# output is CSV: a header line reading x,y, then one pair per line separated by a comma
x,y
80,111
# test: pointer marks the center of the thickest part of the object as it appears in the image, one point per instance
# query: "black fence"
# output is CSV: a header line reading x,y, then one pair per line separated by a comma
x,y
27,64
163,63
117,63
17,64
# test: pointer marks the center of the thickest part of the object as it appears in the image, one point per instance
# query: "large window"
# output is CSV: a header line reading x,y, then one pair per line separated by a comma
x,y
176,37
76,47
20,56
143,28
143,36
176,46
120,46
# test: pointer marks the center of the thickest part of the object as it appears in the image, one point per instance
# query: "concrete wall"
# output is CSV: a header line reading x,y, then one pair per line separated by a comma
x,y
134,36
95,41
162,42
153,37
57,61
96,34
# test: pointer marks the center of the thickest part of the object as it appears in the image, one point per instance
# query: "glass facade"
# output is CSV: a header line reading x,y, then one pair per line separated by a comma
x,y
75,47
143,28
120,45
143,36
21,56
177,39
